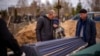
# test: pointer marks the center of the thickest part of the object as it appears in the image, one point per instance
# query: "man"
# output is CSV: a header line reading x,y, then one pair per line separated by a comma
x,y
44,28
86,28
7,40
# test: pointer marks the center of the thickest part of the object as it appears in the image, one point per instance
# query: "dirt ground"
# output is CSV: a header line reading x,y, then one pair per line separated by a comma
x,y
27,35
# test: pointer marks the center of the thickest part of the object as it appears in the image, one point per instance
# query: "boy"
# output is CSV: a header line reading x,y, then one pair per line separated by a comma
x,y
58,30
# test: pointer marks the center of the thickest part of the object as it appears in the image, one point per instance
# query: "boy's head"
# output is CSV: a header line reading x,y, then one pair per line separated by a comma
x,y
55,23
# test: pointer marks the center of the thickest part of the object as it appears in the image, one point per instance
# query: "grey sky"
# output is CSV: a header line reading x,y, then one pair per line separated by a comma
x,y
7,3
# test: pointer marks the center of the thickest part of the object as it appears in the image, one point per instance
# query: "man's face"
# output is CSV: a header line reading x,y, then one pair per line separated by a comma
x,y
52,14
83,16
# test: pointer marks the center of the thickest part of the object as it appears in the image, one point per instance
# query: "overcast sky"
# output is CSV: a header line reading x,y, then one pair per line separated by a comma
x,y
7,3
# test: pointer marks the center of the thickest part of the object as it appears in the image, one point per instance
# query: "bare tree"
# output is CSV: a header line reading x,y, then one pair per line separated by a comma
x,y
22,3
48,5
94,4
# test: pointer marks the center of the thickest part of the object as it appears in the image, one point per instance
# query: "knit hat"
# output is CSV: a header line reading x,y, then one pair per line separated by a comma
x,y
56,21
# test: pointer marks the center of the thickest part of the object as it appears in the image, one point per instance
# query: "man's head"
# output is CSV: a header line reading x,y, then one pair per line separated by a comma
x,y
83,14
51,14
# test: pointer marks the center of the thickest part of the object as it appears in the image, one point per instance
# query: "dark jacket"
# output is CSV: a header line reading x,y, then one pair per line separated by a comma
x,y
89,31
7,40
4,32
44,29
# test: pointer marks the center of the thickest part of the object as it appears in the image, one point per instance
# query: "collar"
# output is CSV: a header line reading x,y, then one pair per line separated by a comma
x,y
46,16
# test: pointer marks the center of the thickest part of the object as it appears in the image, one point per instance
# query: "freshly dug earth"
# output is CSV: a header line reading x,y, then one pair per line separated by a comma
x,y
27,35
69,27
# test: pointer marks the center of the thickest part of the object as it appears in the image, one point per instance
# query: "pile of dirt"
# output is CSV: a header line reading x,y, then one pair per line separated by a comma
x,y
69,27
27,34
98,29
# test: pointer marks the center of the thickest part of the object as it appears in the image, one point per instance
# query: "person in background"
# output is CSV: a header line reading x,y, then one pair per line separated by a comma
x,y
86,28
44,27
58,30
7,40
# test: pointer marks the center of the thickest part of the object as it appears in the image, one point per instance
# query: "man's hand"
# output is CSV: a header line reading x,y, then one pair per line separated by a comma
x,y
23,54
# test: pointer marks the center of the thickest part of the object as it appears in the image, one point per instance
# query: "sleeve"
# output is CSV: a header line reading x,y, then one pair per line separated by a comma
x,y
76,33
5,33
63,32
93,31
8,38
39,28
